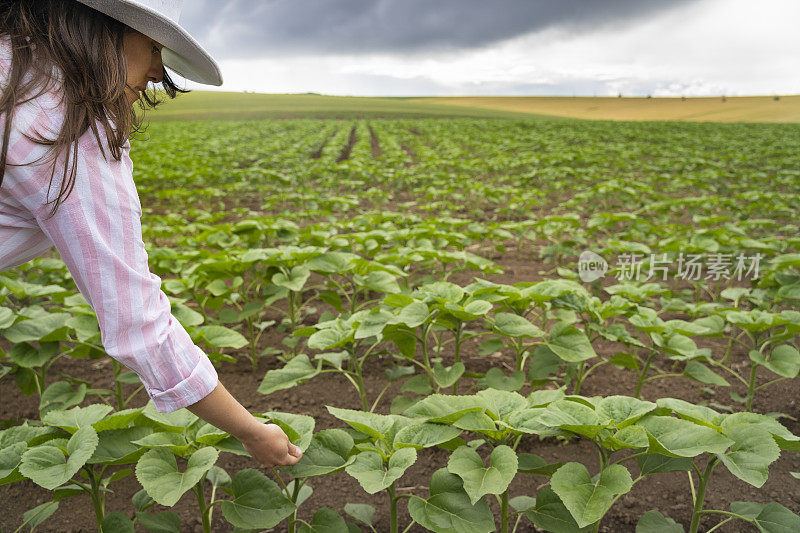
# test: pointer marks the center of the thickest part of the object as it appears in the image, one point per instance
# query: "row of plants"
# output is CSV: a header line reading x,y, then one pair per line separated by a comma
x,y
84,450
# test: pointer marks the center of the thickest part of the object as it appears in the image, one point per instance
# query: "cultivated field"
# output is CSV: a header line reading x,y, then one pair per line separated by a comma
x,y
221,105
710,109
404,297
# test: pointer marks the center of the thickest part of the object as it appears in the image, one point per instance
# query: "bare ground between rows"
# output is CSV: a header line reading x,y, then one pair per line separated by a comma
x,y
668,493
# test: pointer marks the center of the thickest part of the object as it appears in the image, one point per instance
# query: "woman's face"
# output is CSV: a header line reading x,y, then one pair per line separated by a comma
x,y
143,57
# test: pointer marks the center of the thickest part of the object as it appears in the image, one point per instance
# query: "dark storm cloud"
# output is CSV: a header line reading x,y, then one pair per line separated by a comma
x,y
257,28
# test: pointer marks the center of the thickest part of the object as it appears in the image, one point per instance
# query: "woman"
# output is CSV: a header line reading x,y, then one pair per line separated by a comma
x,y
71,71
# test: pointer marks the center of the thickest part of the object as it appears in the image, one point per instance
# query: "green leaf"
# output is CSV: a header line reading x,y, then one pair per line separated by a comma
x,y
77,417
680,438
442,291
117,522
767,423
570,343
326,520
187,316
368,468
33,518
221,337
331,338
624,360
85,326
500,404
10,457
443,409
535,465
698,414
654,463
588,500
425,435
298,370
118,420
174,421
46,465
157,471
141,500
478,480
496,379
7,317
372,323
448,509
371,424
655,522
512,325
446,377
60,395
573,416
362,512
295,280
751,453
381,282
258,503
623,410
784,361
412,315
550,513
50,327
700,372
771,518
175,442
165,522
27,356
117,446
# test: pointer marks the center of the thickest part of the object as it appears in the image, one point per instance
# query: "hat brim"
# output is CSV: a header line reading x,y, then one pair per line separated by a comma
x,y
181,52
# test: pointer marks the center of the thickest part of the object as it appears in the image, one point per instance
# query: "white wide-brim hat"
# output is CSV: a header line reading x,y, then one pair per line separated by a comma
x,y
158,19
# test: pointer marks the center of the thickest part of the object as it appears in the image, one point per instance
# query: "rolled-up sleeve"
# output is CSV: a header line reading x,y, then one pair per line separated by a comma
x,y
98,233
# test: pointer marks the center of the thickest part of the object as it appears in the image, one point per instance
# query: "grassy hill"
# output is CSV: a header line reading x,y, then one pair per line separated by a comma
x,y
238,106
226,105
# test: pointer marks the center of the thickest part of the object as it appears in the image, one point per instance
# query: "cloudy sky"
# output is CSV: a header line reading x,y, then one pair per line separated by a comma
x,y
502,47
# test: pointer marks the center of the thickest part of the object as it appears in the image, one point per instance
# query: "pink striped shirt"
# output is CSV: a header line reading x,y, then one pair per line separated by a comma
x,y
98,233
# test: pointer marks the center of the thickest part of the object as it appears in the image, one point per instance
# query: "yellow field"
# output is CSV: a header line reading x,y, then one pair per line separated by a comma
x,y
733,109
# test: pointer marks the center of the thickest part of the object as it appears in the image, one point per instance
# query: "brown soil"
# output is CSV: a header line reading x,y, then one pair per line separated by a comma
x,y
668,493
374,144
316,154
351,141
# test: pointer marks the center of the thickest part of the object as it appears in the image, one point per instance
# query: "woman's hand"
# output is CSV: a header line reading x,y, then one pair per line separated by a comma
x,y
266,443
269,445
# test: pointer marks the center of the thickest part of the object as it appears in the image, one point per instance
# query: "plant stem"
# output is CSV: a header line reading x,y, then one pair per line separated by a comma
x,y
392,509
293,517
99,512
201,503
504,512
701,492
643,373
751,387
118,386
576,389
457,353
253,356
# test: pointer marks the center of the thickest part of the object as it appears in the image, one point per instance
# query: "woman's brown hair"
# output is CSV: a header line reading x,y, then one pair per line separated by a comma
x,y
86,48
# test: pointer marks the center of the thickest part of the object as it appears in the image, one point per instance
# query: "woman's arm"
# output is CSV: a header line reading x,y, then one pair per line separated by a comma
x,y
267,443
98,233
